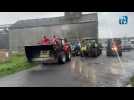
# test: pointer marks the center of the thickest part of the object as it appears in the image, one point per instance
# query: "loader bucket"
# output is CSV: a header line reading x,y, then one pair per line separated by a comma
x,y
33,52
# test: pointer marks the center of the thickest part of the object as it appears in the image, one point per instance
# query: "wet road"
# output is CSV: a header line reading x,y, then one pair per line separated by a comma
x,y
101,72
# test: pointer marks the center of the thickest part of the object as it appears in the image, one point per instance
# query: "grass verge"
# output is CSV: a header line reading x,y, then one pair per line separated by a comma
x,y
16,62
132,81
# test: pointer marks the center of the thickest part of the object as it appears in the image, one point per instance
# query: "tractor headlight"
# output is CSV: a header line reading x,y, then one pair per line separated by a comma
x,y
114,48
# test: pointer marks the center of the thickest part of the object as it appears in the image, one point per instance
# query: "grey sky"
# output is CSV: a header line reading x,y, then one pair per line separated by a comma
x,y
109,24
108,21
12,17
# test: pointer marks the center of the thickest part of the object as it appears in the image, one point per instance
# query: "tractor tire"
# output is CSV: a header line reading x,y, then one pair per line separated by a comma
x,y
68,56
62,58
100,52
73,55
29,60
94,52
109,54
82,54
120,54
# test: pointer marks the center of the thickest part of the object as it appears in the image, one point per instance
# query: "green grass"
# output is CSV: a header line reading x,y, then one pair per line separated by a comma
x,y
15,63
132,81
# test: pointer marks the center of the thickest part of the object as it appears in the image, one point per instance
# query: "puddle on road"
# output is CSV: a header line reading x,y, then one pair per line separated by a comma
x,y
85,72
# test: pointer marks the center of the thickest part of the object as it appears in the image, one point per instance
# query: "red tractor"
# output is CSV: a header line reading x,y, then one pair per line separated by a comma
x,y
49,49
114,47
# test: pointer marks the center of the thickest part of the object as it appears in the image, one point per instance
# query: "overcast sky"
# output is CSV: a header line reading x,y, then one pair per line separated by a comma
x,y
12,17
109,24
108,21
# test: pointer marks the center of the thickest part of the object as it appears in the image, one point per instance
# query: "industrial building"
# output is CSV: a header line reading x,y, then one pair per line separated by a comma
x,y
73,25
4,40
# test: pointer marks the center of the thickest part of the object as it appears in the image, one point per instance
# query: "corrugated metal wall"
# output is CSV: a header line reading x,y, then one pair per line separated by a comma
x,y
26,36
4,41
25,33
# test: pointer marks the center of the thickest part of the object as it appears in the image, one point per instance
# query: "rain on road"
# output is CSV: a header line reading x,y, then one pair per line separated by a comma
x,y
84,72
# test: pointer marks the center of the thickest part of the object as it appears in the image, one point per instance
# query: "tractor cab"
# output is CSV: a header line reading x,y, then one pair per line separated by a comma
x,y
90,47
114,47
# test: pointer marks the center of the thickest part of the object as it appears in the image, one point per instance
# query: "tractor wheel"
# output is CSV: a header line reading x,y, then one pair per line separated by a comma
x,y
29,60
82,54
68,56
108,54
62,58
94,52
120,54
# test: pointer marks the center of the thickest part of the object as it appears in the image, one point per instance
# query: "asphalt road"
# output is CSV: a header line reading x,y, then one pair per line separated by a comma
x,y
84,72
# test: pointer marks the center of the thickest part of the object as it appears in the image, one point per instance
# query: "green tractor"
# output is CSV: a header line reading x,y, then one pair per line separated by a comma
x,y
90,47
